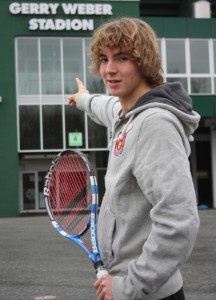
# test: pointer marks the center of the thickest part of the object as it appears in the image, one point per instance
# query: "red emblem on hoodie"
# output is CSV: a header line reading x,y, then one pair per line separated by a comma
x,y
119,145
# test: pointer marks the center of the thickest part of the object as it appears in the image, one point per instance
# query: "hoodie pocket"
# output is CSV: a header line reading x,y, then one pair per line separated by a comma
x,y
106,234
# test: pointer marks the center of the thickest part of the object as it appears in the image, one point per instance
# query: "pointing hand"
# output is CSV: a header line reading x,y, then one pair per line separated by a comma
x,y
81,90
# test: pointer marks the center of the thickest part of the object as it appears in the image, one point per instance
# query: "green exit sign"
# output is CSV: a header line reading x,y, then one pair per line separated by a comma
x,y
75,139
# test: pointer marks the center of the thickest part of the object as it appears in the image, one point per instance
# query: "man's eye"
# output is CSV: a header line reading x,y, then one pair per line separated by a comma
x,y
123,58
103,59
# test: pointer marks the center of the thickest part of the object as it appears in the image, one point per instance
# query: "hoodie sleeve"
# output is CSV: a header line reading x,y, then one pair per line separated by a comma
x,y
100,108
163,174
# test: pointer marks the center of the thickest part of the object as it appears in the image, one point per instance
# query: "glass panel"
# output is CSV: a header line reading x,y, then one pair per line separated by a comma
x,y
101,184
199,56
94,82
28,191
179,79
159,45
29,123
97,135
214,45
201,85
99,160
28,77
74,124
175,51
73,64
41,201
50,66
52,127
215,85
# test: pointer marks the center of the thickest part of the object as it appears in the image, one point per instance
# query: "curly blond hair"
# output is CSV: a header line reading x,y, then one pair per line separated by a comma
x,y
136,38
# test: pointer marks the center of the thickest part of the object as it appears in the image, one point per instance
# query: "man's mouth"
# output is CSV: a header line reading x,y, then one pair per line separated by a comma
x,y
113,81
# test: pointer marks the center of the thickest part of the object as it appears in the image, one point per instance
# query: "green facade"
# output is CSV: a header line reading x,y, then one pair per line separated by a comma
x,y
13,26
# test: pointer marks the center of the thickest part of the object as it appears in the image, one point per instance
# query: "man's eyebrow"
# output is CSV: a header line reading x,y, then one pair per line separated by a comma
x,y
117,54
102,54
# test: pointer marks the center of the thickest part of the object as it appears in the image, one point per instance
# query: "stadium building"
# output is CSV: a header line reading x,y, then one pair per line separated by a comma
x,y
44,46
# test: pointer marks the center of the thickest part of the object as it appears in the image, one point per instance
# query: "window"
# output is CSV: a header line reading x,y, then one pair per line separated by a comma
x,y
175,56
28,191
46,69
75,123
189,61
46,72
29,127
32,185
214,71
52,126
199,56
50,67
72,63
28,71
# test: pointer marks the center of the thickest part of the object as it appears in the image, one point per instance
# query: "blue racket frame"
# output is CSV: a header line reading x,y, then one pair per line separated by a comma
x,y
93,254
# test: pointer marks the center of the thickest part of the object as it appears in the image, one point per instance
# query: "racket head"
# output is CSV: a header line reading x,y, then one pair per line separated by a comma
x,y
71,191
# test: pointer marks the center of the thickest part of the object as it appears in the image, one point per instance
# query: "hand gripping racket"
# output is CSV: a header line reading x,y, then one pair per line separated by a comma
x,y
71,197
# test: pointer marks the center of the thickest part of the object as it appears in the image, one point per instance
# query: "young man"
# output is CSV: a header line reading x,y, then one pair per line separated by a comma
x,y
148,220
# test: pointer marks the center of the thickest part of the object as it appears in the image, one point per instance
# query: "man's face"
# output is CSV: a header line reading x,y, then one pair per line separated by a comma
x,y
121,74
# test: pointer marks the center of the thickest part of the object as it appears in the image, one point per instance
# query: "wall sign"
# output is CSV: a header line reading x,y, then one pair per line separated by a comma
x,y
69,9
75,139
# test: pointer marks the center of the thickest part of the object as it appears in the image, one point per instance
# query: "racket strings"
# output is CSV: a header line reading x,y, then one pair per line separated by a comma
x,y
70,194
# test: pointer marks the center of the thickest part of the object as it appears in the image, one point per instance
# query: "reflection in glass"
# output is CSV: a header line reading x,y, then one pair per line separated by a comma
x,y
28,191
97,135
201,85
214,45
101,184
28,76
199,55
52,126
94,82
41,176
50,66
179,79
73,64
175,50
29,123
74,119
159,45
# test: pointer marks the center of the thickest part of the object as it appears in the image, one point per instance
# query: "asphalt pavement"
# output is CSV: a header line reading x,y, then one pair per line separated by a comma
x,y
36,263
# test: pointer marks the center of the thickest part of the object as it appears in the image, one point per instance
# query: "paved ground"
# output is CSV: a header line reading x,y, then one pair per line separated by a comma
x,y
36,263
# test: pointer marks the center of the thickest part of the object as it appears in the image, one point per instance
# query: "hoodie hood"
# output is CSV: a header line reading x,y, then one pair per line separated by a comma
x,y
172,94
174,98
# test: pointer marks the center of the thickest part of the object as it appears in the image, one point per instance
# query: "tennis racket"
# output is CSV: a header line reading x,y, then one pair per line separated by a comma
x,y
71,197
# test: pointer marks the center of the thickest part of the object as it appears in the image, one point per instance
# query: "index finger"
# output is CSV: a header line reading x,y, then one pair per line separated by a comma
x,y
80,85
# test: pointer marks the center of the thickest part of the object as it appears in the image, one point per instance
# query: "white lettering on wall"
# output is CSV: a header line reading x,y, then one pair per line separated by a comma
x,y
61,24
16,8
82,9
33,8
87,9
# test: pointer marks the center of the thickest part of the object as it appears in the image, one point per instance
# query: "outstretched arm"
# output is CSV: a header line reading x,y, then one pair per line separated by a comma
x,y
100,108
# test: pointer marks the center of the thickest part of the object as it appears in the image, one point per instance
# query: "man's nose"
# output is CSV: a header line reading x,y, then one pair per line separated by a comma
x,y
111,67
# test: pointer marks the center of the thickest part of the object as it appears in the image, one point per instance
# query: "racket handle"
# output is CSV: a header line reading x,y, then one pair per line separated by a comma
x,y
101,273
100,269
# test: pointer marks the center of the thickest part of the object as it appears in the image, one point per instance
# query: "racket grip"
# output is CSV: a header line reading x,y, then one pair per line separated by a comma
x,y
100,269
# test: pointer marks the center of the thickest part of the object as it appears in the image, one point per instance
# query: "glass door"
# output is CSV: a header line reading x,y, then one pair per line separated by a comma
x,y
32,198
28,191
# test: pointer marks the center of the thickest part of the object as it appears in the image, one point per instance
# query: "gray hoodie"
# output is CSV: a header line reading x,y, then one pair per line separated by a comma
x,y
148,220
